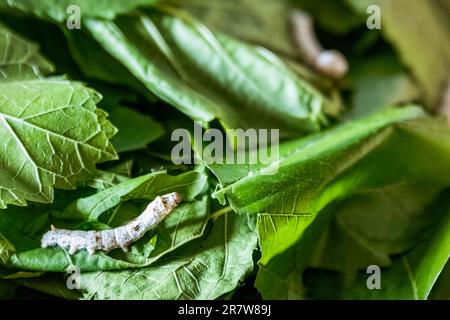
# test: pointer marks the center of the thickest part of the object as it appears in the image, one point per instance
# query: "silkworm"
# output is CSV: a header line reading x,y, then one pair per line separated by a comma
x,y
120,237
331,63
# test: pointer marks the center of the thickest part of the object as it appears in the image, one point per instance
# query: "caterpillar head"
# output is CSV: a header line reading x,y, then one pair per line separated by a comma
x,y
49,239
171,200
332,63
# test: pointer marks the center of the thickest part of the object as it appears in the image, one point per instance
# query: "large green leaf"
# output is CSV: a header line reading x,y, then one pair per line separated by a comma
x,y
366,229
136,130
43,144
411,276
264,22
58,9
95,63
23,227
288,243
385,148
420,36
380,82
204,270
168,54
375,225
441,290
388,148
20,59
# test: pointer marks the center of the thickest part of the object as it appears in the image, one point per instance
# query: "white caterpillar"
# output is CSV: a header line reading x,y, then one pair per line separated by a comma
x,y
331,63
120,237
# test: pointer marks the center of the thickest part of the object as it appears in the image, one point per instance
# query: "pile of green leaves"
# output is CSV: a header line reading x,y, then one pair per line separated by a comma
x,y
363,178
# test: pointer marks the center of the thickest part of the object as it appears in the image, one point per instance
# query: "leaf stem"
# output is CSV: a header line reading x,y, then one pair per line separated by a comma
x,y
220,212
